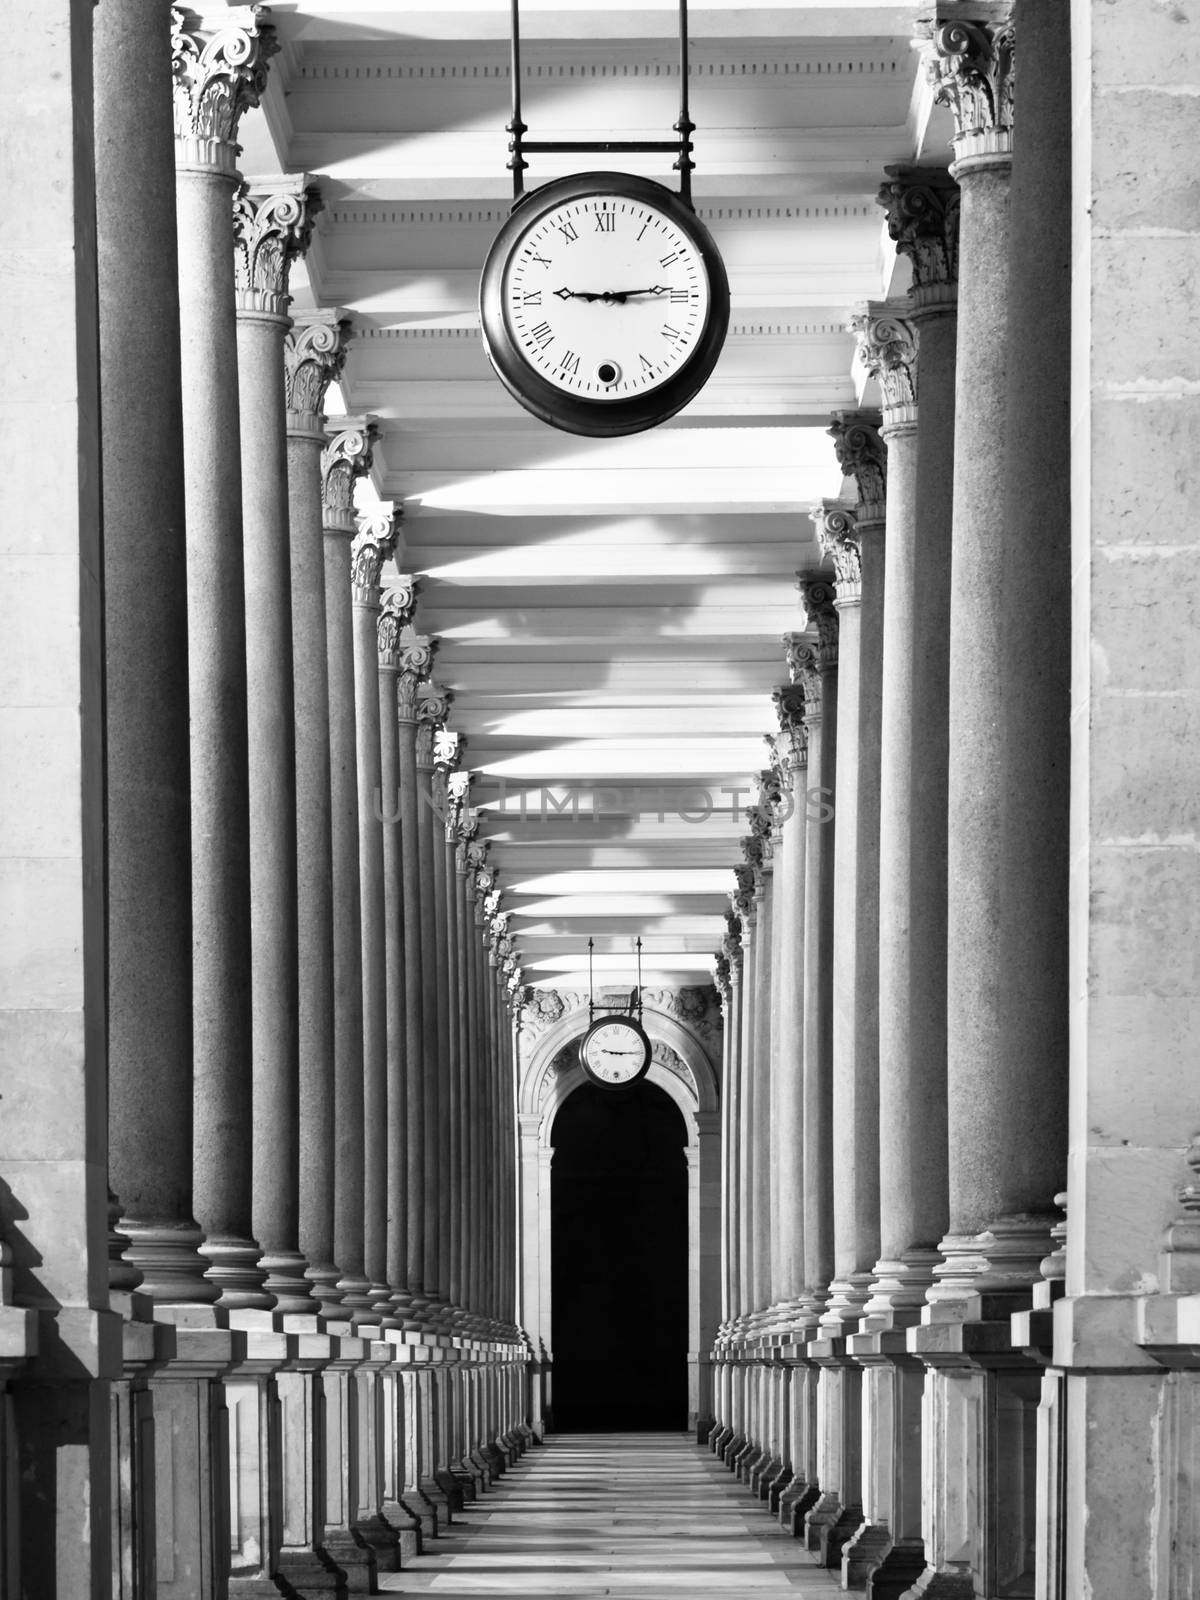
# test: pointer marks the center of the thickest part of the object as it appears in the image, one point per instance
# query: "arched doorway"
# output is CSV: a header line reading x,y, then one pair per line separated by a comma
x,y
619,1261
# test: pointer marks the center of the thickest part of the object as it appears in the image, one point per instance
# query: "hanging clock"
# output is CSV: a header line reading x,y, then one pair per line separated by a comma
x,y
615,1052
604,303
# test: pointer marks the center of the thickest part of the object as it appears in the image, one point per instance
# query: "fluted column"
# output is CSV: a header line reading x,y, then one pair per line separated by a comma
x,y
346,457
414,662
272,225
219,73
481,879
787,1074
314,351
731,945
815,668
432,708
147,820
374,544
855,922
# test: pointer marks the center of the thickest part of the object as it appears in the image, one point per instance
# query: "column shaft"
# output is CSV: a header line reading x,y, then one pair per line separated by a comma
x,y
787,1081
148,828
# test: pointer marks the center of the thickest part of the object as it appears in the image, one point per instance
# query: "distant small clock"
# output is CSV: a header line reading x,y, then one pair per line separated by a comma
x,y
615,1052
604,303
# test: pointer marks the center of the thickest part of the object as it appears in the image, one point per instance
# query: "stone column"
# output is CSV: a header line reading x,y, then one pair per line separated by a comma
x,y
744,903
347,456
761,1162
477,1224
1003,1165
395,614
815,668
374,544
414,663
856,546
148,828
272,225
787,1075
447,754
314,351
218,73
721,980
911,1092
461,827
432,708
734,953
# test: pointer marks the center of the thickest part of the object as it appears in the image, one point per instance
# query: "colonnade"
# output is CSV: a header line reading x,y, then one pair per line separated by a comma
x,y
308,1319
903,1099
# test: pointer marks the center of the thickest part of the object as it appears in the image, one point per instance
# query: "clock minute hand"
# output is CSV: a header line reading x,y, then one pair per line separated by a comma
x,y
610,296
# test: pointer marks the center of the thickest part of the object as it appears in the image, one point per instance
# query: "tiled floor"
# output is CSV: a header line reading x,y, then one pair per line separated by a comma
x,y
630,1515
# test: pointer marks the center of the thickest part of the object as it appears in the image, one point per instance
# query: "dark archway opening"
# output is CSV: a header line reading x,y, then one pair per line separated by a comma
x,y
619,1261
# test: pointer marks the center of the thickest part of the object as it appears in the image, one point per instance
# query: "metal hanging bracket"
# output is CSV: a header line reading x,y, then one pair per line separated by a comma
x,y
518,145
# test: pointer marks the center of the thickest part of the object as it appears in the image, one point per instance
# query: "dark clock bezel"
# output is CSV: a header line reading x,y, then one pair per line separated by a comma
x,y
628,1022
574,413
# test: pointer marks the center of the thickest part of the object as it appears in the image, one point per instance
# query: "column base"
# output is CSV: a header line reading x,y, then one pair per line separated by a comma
x,y
304,1573
862,1552
900,1568
796,1501
451,1488
357,1561
378,1534
775,1487
942,1585
406,1525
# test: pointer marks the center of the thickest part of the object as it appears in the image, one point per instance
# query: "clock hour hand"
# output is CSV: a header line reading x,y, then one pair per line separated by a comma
x,y
609,296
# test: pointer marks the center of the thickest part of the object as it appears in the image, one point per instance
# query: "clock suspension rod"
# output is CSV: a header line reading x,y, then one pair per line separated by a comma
x,y
639,967
518,145
591,989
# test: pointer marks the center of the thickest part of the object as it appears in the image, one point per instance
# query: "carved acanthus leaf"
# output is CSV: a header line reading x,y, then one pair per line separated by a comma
x,y
374,544
862,455
314,353
818,601
447,748
837,534
887,348
792,744
922,205
219,72
971,68
414,663
272,225
346,457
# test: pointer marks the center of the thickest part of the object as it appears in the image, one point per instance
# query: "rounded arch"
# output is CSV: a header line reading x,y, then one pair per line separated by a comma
x,y
686,1044
564,1084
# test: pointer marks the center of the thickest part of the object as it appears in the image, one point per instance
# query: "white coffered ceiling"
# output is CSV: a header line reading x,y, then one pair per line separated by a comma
x,y
609,612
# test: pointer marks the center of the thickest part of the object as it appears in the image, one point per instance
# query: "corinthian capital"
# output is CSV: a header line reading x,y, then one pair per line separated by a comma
x,y
395,614
314,353
818,601
862,455
272,225
792,743
374,543
346,457
414,663
969,61
219,66
922,205
887,348
433,707
837,534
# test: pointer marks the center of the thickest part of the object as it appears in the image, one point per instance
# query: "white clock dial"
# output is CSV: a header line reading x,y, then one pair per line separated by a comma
x,y
605,296
614,1052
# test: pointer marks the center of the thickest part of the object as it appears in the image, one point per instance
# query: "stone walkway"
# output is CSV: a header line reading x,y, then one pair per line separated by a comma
x,y
632,1515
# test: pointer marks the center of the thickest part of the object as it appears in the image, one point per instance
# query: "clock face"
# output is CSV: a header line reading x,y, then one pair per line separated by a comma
x,y
605,296
614,1052
603,303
